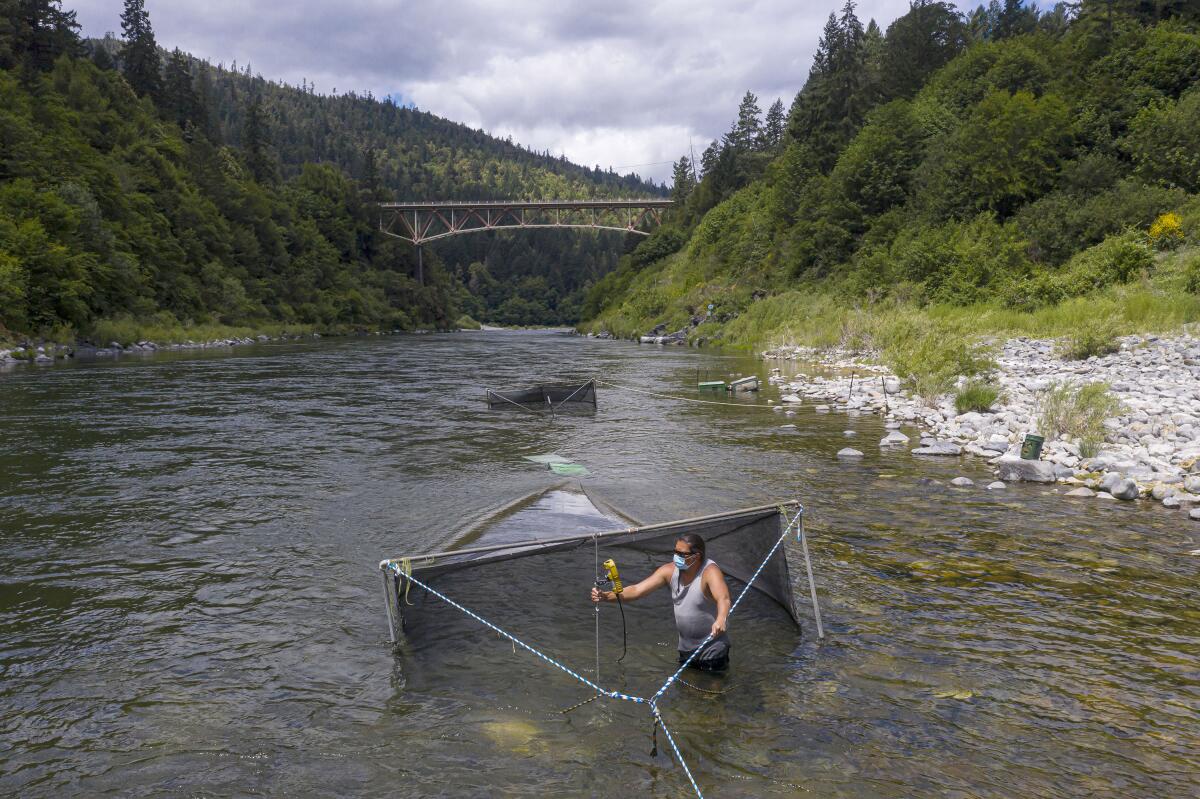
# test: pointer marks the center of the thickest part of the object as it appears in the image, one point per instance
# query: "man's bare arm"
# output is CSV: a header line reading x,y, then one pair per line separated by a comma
x,y
714,581
658,578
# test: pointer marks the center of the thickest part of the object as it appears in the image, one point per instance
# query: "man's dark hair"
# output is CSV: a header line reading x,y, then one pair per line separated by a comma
x,y
695,543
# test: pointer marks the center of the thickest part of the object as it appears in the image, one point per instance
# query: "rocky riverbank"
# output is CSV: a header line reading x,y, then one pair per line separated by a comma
x,y
1151,448
44,354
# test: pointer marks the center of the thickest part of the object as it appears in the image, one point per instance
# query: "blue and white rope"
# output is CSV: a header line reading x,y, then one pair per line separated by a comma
x,y
678,755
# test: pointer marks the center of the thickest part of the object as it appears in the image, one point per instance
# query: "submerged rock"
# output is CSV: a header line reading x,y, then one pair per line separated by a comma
x,y
849,453
996,485
1080,492
939,448
962,482
893,439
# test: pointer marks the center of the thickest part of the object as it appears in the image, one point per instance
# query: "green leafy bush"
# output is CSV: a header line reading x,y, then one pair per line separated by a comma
x,y
1117,259
1078,411
1038,290
1096,337
959,262
1191,273
465,322
1164,140
658,245
1064,222
976,395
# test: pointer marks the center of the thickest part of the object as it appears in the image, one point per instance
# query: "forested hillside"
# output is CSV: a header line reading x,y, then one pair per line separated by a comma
x,y
147,187
1006,169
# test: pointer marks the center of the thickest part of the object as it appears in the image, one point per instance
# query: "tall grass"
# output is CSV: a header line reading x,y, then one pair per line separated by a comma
x,y
164,329
976,395
1079,412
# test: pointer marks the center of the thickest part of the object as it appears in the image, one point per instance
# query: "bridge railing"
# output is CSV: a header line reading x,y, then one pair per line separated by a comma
x,y
421,222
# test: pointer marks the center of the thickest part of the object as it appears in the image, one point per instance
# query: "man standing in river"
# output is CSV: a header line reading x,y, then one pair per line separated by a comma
x,y
701,600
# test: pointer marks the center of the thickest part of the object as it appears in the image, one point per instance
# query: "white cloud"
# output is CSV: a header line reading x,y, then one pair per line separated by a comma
x,y
615,83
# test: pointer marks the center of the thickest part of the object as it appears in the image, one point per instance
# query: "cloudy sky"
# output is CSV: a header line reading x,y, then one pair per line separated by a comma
x,y
621,83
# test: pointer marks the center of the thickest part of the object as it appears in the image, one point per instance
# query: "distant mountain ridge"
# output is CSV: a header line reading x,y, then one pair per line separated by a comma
x,y
418,155
146,190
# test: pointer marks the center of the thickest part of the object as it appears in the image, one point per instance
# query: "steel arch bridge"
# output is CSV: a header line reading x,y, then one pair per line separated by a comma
x,y
422,222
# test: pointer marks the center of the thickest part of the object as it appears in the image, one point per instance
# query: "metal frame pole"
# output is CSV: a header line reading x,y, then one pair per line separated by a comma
x,y
387,602
812,585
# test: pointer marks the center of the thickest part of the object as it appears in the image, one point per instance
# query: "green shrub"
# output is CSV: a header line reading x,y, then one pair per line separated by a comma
x,y
1191,274
1164,141
465,322
1097,336
1030,293
959,262
660,244
1064,222
1078,411
1117,259
976,395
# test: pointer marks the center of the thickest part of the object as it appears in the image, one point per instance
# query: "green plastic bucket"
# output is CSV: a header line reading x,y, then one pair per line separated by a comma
x,y
1031,447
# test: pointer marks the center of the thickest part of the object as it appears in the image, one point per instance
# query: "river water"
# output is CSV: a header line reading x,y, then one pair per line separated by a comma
x,y
189,600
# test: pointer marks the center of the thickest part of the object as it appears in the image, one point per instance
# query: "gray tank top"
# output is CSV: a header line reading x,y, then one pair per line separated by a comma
x,y
694,612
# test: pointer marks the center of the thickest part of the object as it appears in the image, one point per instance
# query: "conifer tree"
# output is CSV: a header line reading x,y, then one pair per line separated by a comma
x,y
747,133
35,33
837,95
918,44
682,180
774,126
256,144
179,96
708,159
102,58
139,56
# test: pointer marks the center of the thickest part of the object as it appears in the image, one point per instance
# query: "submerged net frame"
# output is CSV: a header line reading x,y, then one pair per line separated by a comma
x,y
548,395
725,537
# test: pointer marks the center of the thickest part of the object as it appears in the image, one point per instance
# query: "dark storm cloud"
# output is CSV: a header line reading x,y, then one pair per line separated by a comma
x,y
616,83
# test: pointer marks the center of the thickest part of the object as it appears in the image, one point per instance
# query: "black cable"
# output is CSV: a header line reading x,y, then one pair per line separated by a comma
x,y
624,640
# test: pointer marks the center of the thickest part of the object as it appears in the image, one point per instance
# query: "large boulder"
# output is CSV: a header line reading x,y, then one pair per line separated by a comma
x,y
1126,489
1012,468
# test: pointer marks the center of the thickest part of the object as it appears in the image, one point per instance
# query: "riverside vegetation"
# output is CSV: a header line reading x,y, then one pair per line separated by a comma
x,y
1004,173
153,195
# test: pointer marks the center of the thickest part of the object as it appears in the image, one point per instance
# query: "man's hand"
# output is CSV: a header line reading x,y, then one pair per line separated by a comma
x,y
717,628
596,596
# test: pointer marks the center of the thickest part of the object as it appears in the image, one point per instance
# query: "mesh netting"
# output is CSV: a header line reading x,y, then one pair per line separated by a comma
x,y
738,541
543,395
